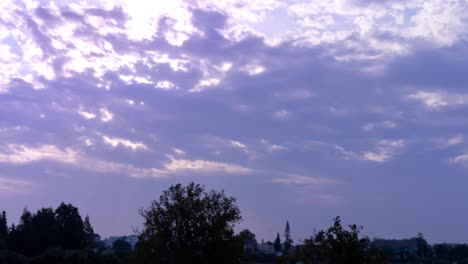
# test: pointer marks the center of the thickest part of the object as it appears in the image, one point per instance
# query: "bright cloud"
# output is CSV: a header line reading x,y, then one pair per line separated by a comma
x,y
106,115
19,154
181,165
114,142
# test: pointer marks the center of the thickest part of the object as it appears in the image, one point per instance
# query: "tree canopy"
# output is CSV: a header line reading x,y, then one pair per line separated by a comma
x,y
190,225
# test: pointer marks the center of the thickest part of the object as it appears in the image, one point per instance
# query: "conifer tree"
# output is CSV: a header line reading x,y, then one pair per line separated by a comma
x,y
277,243
89,231
3,230
287,238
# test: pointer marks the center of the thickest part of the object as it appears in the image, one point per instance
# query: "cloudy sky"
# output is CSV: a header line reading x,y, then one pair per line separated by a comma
x,y
303,110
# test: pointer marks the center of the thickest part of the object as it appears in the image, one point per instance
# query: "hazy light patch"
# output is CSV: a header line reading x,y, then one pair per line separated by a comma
x,y
384,124
10,185
303,180
115,142
458,139
329,199
106,115
296,95
282,114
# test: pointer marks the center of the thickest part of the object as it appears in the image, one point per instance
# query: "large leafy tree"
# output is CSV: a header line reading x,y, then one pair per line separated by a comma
x,y
190,225
71,226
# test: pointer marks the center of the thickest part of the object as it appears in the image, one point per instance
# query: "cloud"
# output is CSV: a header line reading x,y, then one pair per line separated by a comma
x,y
106,115
303,180
10,185
436,100
87,115
385,151
114,142
458,139
239,145
19,154
461,159
383,124
272,147
178,151
282,114
204,166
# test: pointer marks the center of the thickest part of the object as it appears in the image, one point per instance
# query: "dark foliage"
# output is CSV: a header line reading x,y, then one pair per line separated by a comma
x,y
48,228
3,231
338,245
189,225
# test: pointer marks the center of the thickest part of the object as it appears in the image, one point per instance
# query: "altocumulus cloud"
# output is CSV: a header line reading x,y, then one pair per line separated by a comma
x,y
266,89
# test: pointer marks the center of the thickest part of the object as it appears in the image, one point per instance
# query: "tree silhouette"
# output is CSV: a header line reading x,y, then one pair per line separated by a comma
x,y
287,238
89,231
71,226
3,230
277,243
189,225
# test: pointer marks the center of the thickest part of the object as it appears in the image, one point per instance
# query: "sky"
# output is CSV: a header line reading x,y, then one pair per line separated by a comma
x,y
302,110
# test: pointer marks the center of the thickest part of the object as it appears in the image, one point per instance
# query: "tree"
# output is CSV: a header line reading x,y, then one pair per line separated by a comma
x,y
189,225
287,238
121,248
338,245
45,231
423,246
3,231
249,242
71,226
20,237
89,231
277,243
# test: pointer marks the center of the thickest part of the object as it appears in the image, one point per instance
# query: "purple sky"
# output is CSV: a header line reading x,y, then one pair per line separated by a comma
x,y
301,110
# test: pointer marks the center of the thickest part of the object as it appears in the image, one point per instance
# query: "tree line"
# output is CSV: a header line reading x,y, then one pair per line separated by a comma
x,y
189,224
